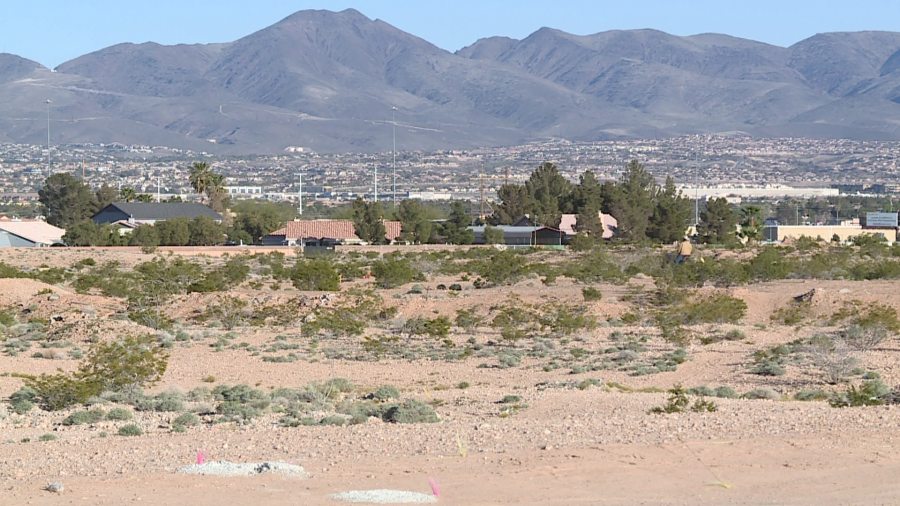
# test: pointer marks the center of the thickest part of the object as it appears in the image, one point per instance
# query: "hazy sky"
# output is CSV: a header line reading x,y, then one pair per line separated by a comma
x,y
54,31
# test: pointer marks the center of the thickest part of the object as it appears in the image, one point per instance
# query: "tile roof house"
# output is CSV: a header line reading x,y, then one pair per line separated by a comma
x,y
29,234
150,213
323,233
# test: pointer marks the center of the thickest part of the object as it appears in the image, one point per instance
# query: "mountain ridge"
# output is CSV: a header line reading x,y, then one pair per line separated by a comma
x,y
328,80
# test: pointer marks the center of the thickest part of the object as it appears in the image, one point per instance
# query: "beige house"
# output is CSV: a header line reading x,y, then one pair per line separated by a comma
x,y
825,232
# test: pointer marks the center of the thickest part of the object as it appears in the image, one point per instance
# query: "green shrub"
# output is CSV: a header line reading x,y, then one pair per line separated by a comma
x,y
316,275
168,405
717,308
119,415
130,430
60,391
23,394
411,411
84,417
393,272
676,403
237,411
463,385
762,393
23,406
333,420
769,368
342,385
591,294
510,399
811,395
795,313
735,335
186,420
386,392
726,393
47,437
870,393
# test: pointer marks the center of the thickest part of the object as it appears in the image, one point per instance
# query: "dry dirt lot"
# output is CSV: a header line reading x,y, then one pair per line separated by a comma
x,y
569,441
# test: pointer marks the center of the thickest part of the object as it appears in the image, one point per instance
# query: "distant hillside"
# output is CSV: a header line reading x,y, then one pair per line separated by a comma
x,y
327,81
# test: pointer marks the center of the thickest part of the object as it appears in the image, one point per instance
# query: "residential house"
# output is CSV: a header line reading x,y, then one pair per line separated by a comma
x,y
323,233
150,213
29,234
568,221
522,236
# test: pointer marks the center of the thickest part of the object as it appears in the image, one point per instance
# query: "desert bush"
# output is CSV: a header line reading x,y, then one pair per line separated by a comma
x,y
60,391
119,415
870,393
84,417
717,308
318,274
591,294
833,357
393,272
762,393
768,368
864,338
130,430
469,319
679,402
386,392
47,437
411,411
510,399
236,411
124,365
22,406
725,392
186,420
811,395
795,313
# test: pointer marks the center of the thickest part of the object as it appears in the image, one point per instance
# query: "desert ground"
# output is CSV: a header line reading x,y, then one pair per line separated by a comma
x,y
566,422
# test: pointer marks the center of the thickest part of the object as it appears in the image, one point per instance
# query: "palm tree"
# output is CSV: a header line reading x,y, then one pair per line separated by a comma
x,y
751,223
751,214
201,177
145,198
128,194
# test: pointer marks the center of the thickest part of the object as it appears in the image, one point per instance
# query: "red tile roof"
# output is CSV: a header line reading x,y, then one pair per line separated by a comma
x,y
331,229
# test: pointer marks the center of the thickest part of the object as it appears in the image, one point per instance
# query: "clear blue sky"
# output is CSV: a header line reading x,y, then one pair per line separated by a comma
x,y
54,31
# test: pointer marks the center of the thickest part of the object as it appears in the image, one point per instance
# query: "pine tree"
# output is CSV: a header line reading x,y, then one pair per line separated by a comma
x,y
513,204
66,200
368,220
549,195
719,224
671,214
631,201
415,227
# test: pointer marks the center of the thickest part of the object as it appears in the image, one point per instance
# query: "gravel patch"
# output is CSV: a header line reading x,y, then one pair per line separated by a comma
x,y
384,496
223,468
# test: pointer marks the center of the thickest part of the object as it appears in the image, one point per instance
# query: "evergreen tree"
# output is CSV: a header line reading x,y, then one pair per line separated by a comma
x,y
587,194
66,200
719,224
144,235
415,227
588,221
368,220
631,202
513,204
205,232
549,195
670,215
456,229
174,232
106,195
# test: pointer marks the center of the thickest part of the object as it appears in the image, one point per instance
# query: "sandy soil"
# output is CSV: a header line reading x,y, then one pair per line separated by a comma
x,y
568,446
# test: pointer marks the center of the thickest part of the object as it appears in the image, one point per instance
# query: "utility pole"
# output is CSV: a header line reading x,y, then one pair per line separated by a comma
x,y
696,197
394,163
301,193
507,174
482,191
48,135
376,182
158,189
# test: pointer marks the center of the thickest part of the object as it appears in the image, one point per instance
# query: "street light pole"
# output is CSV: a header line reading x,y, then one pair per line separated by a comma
x,y
48,135
394,163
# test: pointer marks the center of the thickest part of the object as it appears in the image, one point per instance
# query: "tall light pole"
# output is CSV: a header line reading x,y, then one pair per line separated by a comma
x,y
394,163
48,134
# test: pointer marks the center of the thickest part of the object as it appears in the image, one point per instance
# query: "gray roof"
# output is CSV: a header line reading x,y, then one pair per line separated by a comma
x,y
162,211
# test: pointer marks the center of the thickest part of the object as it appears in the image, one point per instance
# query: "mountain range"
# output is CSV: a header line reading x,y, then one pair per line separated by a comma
x,y
327,81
